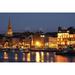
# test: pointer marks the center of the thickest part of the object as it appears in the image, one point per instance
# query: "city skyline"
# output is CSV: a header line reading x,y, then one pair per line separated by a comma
x,y
36,21
54,45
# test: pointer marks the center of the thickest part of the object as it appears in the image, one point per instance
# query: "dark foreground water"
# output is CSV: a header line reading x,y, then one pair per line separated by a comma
x,y
20,56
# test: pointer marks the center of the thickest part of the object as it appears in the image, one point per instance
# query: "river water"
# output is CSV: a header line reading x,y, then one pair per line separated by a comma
x,y
34,57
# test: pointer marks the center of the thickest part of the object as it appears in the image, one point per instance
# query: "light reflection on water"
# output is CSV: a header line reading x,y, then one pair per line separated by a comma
x,y
47,56
5,55
23,57
60,58
28,57
16,56
37,57
42,57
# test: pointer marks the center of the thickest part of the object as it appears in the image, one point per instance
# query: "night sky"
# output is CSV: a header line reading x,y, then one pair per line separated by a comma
x,y
36,21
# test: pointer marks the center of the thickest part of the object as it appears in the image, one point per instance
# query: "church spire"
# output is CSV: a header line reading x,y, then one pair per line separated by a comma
x,y
9,31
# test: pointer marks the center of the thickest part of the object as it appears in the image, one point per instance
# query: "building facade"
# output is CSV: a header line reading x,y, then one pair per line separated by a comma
x,y
65,38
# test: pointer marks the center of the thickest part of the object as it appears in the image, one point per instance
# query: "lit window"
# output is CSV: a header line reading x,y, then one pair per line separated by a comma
x,y
71,36
68,43
68,31
46,44
42,35
63,43
59,35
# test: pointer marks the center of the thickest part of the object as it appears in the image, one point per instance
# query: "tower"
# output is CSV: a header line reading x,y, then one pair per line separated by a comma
x,y
9,31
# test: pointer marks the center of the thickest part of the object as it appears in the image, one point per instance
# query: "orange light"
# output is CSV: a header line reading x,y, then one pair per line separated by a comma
x,y
37,44
5,55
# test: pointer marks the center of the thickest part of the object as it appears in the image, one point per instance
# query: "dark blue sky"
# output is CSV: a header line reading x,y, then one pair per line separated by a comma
x,y
36,21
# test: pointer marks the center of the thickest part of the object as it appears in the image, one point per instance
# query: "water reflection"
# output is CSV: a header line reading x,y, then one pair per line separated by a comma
x,y
60,58
35,57
48,57
16,56
28,57
5,55
42,56
23,57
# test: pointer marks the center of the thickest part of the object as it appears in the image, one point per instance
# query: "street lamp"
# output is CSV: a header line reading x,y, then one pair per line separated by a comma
x,y
37,44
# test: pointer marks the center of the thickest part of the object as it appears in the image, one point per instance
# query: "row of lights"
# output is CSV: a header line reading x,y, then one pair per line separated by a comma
x,y
38,56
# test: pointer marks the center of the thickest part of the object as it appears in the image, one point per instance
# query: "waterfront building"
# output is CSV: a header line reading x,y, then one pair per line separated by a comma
x,y
53,42
38,40
63,38
66,37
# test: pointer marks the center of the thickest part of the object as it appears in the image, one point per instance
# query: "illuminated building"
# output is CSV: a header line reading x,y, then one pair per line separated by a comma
x,y
38,40
53,42
9,31
65,38
72,40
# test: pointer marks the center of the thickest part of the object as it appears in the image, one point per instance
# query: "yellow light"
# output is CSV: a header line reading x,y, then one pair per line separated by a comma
x,y
5,55
42,35
23,56
71,36
16,56
37,57
37,44
42,57
28,57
